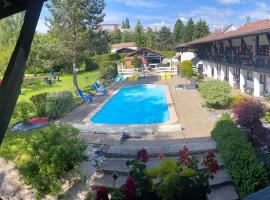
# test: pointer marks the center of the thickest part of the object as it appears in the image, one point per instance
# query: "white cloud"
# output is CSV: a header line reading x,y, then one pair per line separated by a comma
x,y
142,3
215,17
115,17
261,11
229,1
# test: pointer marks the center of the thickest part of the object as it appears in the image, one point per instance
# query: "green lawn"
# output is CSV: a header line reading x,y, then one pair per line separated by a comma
x,y
85,81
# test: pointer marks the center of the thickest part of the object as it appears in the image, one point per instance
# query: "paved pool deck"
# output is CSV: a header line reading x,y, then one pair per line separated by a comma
x,y
194,119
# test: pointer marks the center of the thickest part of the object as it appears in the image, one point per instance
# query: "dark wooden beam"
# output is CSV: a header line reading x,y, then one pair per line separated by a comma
x,y
13,77
268,37
245,47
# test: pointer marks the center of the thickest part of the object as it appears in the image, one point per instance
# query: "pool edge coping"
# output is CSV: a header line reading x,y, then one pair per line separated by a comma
x,y
172,113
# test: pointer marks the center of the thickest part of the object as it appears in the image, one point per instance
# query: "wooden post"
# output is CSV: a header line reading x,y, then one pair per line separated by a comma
x,y
13,77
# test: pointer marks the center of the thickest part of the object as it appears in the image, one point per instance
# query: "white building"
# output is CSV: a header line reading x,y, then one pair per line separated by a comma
x,y
240,56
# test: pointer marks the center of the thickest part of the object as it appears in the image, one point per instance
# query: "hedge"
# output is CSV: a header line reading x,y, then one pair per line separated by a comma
x,y
59,103
216,94
247,173
39,101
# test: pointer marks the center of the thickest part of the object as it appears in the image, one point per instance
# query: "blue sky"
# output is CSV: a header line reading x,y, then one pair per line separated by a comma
x,y
217,13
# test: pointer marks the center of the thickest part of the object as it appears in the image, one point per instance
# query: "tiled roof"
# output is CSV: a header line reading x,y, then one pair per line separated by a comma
x,y
245,30
124,45
147,49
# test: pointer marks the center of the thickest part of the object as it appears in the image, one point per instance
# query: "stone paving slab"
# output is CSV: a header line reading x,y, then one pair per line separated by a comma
x,y
226,192
119,164
170,148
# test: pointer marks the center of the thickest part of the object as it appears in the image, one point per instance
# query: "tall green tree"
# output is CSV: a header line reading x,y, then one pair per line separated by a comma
x,y
126,24
151,39
127,36
69,23
178,31
139,35
164,39
201,29
188,33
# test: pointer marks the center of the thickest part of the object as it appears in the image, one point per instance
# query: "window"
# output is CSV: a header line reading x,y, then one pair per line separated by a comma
x,y
236,71
263,50
249,75
248,50
237,50
262,78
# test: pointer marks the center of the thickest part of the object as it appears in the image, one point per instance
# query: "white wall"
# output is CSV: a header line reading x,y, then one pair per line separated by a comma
x,y
187,55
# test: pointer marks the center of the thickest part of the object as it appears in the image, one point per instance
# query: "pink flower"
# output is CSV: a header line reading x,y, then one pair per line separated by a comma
x,y
102,194
210,162
130,188
142,155
161,156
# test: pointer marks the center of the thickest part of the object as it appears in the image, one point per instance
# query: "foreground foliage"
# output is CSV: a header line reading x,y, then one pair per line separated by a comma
x,y
170,180
247,173
57,151
216,93
248,112
186,68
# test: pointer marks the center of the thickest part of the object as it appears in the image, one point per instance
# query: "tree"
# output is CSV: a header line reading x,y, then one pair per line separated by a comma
x,y
201,29
188,33
69,23
139,35
116,36
178,31
151,38
127,36
164,39
125,24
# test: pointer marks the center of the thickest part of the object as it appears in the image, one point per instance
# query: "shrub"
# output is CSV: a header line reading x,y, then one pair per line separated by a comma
x,y
215,93
171,179
23,111
39,101
90,65
247,173
59,103
248,112
267,117
108,70
55,153
235,100
186,68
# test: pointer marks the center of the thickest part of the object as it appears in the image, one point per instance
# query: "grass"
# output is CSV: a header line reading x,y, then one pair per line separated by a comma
x,y
16,146
85,81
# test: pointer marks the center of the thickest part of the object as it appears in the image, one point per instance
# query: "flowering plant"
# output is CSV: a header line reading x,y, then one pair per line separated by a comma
x,y
171,179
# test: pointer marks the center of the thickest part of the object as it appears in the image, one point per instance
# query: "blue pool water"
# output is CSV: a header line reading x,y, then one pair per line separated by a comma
x,y
140,104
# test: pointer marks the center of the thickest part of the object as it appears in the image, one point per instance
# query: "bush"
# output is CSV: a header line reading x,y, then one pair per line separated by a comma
x,y
23,111
39,101
59,103
90,65
247,173
55,153
248,112
216,93
267,117
236,100
186,68
108,70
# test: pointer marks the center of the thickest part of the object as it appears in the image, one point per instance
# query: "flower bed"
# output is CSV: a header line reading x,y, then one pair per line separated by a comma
x,y
170,180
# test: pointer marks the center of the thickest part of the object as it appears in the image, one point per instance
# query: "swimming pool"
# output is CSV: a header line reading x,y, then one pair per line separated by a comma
x,y
140,104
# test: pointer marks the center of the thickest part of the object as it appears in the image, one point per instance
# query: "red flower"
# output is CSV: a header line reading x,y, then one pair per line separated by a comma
x,y
185,158
130,188
210,162
142,155
102,194
161,156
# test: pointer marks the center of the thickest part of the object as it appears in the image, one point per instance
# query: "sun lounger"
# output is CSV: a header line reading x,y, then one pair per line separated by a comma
x,y
118,78
99,90
86,98
47,81
162,76
191,86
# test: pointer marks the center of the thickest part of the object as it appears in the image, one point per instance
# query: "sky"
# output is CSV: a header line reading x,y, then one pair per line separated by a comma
x,y
156,13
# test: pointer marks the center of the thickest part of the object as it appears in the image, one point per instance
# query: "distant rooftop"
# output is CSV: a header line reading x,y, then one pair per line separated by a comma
x,y
222,34
124,45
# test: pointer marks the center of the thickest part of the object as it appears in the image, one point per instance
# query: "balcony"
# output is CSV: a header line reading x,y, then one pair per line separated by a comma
x,y
262,62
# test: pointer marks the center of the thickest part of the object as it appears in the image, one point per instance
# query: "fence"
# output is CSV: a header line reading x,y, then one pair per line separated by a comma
x,y
172,70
